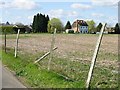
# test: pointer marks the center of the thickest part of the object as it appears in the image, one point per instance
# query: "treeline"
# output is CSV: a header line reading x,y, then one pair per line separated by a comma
x,y
7,29
40,23
94,29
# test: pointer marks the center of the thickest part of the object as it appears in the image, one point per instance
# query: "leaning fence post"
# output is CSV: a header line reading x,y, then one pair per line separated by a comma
x,y
51,49
16,47
45,55
95,56
5,41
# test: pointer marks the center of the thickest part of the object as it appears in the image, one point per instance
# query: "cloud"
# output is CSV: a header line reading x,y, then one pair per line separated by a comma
x,y
104,2
112,20
30,17
0,19
72,14
97,15
2,3
21,4
81,6
58,13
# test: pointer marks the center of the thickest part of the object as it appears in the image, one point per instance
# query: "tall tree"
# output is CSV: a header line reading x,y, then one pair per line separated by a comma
x,y
99,27
40,23
68,25
34,24
91,25
7,23
117,29
46,22
47,18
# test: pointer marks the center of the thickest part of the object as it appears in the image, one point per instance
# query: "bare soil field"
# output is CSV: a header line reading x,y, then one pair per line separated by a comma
x,y
70,45
75,50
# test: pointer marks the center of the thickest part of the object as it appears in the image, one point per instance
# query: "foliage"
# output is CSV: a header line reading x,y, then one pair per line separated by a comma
x,y
7,29
35,76
91,25
68,25
40,23
55,23
117,29
99,27
71,31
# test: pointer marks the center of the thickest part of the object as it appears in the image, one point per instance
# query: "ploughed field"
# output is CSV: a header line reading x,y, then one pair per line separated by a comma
x,y
73,57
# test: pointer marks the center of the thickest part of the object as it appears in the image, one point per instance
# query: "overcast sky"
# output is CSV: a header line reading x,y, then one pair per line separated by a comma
x,y
24,10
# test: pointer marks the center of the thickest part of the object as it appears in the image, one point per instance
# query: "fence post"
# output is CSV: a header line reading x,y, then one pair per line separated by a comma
x,y
51,49
5,42
45,55
95,56
16,47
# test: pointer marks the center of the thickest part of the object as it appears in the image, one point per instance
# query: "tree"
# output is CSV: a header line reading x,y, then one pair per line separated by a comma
x,y
68,25
35,24
55,23
117,29
91,25
7,23
99,27
40,23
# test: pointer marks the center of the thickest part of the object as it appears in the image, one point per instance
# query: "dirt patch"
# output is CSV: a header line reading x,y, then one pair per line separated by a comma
x,y
69,45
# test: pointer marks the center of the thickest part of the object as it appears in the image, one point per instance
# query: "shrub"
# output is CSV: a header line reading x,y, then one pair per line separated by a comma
x,y
7,29
71,31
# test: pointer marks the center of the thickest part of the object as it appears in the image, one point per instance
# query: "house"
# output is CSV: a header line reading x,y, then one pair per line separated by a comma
x,y
80,26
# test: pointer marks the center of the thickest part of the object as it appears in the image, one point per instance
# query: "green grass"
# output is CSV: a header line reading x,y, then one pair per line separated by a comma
x,y
35,76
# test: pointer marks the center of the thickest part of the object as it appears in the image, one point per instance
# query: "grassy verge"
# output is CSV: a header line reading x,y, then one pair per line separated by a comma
x,y
38,75
35,76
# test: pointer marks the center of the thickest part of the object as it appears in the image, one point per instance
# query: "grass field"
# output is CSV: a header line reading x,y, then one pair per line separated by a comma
x,y
72,59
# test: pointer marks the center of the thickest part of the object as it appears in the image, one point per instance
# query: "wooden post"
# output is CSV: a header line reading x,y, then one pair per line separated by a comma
x,y
51,49
5,42
46,54
16,47
95,56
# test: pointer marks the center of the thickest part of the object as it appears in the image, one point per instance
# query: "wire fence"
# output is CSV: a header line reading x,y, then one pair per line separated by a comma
x,y
71,59
65,60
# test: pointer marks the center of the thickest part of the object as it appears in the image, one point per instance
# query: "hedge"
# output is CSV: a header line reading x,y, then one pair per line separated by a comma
x,y
7,29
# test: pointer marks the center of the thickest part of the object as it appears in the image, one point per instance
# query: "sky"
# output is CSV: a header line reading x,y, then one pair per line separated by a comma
x,y
23,11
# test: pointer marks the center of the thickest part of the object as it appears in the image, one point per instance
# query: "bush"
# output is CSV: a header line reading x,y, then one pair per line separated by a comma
x,y
71,31
7,29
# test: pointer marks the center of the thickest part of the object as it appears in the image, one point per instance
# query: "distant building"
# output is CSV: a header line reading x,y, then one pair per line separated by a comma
x,y
110,30
23,29
80,26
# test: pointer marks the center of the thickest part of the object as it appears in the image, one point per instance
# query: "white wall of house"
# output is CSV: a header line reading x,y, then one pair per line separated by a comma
x,y
83,29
